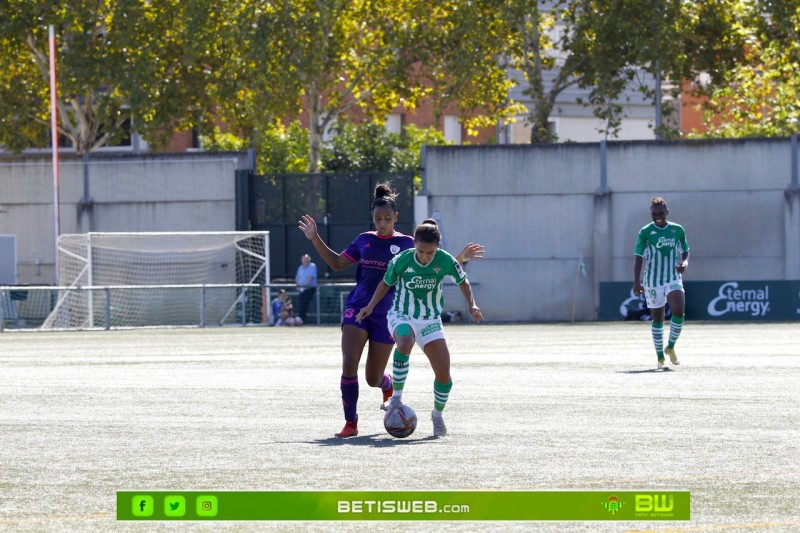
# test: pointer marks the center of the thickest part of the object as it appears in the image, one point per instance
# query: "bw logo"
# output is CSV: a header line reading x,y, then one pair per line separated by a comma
x,y
645,503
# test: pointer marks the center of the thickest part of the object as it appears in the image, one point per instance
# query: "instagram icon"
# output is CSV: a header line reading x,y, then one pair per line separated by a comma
x,y
206,506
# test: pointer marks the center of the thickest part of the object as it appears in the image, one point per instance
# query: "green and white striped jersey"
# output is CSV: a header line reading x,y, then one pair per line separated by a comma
x,y
419,288
661,249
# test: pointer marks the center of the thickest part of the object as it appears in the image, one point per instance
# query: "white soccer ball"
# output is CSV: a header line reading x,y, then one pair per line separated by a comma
x,y
400,421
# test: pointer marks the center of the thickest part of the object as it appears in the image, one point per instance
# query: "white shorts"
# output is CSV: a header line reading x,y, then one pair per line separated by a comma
x,y
425,331
657,296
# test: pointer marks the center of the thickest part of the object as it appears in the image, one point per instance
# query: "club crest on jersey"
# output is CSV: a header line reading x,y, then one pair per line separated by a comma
x,y
394,249
437,269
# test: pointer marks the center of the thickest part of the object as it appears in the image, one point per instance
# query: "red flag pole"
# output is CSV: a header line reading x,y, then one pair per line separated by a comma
x,y
54,134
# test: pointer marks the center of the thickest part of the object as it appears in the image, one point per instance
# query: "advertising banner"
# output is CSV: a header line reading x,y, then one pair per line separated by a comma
x,y
712,300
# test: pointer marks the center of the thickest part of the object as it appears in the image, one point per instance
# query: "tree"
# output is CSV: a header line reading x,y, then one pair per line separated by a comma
x,y
604,46
322,57
339,57
468,52
600,45
123,66
369,147
280,149
758,95
459,50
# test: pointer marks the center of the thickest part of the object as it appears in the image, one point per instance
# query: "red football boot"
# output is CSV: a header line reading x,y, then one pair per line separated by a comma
x,y
350,429
387,394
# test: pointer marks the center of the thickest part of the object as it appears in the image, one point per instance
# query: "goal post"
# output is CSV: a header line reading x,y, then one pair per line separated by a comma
x,y
159,279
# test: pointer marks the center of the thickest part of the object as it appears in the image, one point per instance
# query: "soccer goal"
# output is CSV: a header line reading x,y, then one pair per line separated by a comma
x,y
159,279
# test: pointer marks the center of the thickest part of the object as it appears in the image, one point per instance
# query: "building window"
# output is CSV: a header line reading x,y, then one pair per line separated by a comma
x,y
452,129
521,130
394,123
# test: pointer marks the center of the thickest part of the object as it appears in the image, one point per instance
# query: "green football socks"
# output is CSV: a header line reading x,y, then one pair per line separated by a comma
x,y
675,326
441,392
657,329
399,370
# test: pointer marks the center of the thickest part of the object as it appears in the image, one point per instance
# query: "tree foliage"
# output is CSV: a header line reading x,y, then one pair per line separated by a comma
x,y
321,57
459,51
759,94
280,149
604,46
159,67
147,66
369,147
328,59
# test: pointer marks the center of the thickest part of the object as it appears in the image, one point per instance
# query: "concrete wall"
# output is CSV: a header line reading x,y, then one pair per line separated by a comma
x,y
158,192
540,210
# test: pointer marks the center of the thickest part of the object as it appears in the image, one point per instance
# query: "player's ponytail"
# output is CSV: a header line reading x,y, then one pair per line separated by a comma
x,y
384,195
428,232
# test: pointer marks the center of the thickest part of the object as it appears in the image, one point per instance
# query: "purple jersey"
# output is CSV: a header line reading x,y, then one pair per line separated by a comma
x,y
373,253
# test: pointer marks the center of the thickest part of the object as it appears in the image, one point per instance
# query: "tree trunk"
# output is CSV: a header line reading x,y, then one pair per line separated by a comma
x,y
542,107
314,128
534,66
313,185
540,126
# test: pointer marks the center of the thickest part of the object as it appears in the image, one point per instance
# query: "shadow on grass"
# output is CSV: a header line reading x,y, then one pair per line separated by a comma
x,y
377,440
645,371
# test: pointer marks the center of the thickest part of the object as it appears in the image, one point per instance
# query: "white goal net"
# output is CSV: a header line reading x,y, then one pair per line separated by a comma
x,y
159,279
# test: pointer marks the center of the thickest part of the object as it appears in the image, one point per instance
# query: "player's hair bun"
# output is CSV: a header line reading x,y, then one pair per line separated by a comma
x,y
384,190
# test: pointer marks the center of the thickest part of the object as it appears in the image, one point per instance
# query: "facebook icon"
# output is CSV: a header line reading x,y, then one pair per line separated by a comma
x,y
142,505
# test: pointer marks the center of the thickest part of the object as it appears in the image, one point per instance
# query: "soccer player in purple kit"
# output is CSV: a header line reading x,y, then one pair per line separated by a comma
x,y
372,251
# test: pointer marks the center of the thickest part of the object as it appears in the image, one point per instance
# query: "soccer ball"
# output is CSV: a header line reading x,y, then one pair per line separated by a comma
x,y
400,421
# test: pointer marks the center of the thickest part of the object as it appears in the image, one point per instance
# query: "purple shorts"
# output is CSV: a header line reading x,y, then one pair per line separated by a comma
x,y
375,325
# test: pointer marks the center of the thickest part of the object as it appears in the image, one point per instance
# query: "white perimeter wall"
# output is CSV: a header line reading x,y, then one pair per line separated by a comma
x,y
160,192
536,208
538,211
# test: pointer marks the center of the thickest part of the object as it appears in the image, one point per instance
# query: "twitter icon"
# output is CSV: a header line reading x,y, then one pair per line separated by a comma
x,y
174,505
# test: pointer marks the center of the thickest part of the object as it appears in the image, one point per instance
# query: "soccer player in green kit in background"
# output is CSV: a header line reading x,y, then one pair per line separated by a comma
x,y
664,253
416,311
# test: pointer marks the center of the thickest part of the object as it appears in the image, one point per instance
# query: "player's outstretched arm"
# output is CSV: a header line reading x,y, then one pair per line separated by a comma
x,y
471,251
474,310
380,291
308,226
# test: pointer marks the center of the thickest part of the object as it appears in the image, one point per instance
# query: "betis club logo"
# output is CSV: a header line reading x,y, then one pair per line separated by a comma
x,y
613,505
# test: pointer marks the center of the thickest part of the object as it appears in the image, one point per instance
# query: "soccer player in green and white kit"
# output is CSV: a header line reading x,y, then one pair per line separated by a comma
x,y
415,315
662,249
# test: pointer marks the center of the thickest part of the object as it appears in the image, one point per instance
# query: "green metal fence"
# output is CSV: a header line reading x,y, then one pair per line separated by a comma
x,y
338,202
29,307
